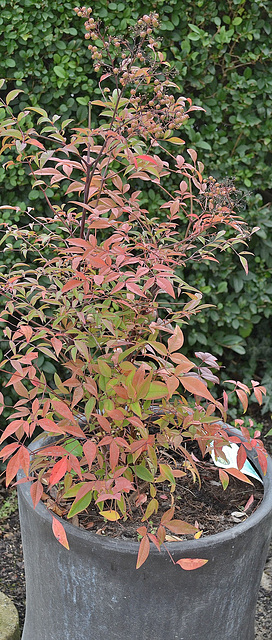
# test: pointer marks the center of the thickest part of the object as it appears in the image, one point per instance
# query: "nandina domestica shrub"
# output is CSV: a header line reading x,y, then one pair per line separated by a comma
x,y
94,297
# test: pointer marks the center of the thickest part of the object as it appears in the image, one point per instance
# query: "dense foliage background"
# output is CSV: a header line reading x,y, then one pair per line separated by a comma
x,y
223,60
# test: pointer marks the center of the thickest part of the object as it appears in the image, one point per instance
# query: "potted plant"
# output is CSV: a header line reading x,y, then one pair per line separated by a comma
x,y
126,415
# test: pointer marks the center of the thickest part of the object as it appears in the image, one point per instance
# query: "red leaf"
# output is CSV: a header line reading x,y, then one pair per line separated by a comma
x,y
104,423
89,449
36,491
142,531
13,467
189,564
24,459
249,503
143,552
258,395
116,414
49,425
57,345
114,455
59,532
241,457
61,408
197,387
8,450
155,541
131,286
91,386
58,471
166,286
2,404
262,459
71,284
167,516
148,159
35,143
10,429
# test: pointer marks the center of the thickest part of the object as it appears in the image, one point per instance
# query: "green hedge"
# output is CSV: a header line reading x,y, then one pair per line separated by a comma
x,y
223,61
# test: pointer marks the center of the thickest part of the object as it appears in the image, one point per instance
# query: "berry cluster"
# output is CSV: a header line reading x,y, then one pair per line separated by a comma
x,y
137,67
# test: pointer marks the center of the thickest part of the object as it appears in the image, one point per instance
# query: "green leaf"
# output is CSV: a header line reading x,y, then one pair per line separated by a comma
x,y
13,94
59,71
80,505
104,368
236,21
89,407
156,391
167,473
143,473
73,446
73,491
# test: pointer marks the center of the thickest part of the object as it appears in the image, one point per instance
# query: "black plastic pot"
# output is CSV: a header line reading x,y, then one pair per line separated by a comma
x,y
93,591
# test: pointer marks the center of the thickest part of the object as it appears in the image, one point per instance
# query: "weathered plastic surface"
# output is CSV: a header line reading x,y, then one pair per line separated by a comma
x,y
9,619
93,591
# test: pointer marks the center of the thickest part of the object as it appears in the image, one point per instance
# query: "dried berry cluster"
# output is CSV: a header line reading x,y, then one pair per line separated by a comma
x,y
158,111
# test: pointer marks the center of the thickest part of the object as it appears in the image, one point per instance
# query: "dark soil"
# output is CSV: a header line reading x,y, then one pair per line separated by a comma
x,y
209,507
215,513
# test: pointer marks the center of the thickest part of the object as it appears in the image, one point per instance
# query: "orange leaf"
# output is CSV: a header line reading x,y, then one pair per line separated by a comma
x,y
197,387
71,284
175,341
26,331
143,552
258,395
243,398
172,384
179,527
59,532
36,491
189,564
35,143
224,478
238,474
